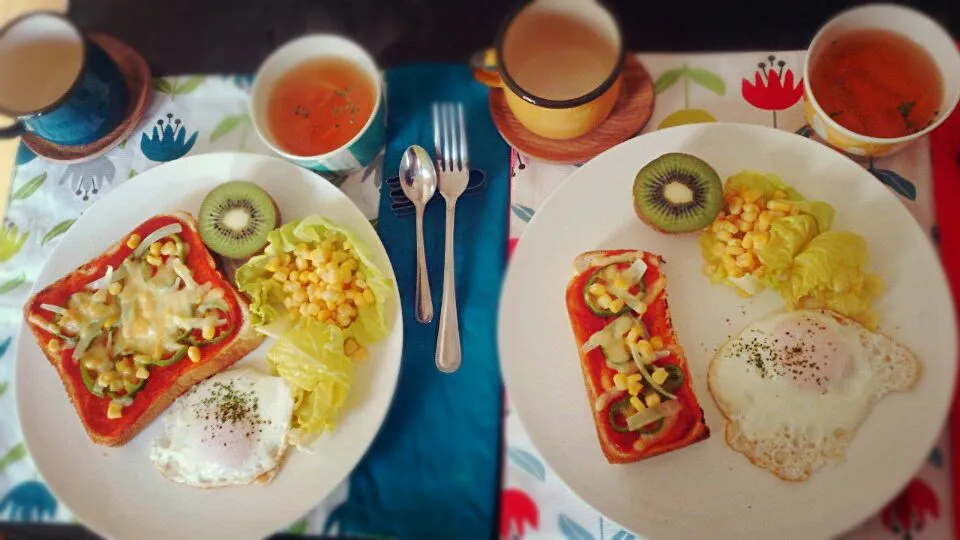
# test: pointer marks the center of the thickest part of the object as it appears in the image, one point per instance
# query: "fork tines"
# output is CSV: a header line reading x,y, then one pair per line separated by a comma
x,y
450,137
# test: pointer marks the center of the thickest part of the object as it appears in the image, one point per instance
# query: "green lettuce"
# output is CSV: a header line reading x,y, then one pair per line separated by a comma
x,y
830,273
309,355
266,305
788,236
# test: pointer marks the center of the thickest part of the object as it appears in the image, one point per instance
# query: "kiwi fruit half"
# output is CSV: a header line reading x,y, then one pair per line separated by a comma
x,y
235,218
677,193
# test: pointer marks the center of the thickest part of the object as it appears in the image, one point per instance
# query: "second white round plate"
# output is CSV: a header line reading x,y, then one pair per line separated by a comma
x,y
117,491
708,490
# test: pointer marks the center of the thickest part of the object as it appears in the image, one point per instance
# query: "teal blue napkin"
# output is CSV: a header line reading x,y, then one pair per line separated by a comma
x,y
433,470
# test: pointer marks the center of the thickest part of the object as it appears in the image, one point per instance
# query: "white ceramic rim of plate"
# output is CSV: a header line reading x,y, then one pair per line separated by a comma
x,y
274,505
542,262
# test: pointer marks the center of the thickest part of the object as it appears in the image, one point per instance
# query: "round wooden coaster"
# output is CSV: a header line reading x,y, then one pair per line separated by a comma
x,y
629,115
136,72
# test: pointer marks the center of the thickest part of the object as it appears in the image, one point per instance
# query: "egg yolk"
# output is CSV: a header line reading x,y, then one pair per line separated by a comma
x,y
810,354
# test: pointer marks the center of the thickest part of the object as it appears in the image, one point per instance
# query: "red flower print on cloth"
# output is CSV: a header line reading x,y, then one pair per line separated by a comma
x,y
909,511
511,245
517,511
773,88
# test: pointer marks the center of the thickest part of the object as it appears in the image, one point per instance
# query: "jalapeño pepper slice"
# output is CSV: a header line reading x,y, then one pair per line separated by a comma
x,y
172,359
599,275
674,378
194,337
129,390
89,380
618,420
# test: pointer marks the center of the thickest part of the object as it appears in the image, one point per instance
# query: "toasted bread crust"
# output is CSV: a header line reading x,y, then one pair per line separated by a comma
x,y
244,340
697,432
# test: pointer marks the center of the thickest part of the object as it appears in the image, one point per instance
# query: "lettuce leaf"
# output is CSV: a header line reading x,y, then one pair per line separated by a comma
x,y
830,273
310,356
788,236
267,295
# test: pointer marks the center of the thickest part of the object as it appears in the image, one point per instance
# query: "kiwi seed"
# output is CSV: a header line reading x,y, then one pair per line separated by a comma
x,y
235,218
677,193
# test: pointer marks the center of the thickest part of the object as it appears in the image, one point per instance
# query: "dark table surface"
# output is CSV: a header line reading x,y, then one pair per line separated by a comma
x,y
234,36
189,36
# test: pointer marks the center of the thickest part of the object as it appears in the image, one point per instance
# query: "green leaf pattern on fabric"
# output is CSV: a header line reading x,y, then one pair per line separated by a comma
x,y
227,125
162,85
13,283
189,85
707,79
11,241
12,456
57,230
666,80
175,86
30,187
697,76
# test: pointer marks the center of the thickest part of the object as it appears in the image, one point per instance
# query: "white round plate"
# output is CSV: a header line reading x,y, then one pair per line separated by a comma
x,y
117,491
707,490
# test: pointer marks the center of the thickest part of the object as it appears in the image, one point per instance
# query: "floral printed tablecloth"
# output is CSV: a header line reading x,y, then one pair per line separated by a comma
x,y
758,88
187,116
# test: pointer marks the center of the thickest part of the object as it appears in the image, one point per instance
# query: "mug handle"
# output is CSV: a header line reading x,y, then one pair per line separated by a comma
x,y
13,130
483,64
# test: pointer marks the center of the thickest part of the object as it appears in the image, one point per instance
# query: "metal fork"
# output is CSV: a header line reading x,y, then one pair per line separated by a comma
x,y
453,166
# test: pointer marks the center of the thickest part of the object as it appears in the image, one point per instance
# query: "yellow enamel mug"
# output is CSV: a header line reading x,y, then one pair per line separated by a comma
x,y
559,63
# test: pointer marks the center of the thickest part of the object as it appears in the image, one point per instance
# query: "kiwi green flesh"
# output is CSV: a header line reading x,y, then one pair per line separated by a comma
x,y
235,219
677,193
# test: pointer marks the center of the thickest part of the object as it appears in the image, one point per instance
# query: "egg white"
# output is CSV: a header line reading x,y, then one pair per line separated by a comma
x,y
795,387
199,449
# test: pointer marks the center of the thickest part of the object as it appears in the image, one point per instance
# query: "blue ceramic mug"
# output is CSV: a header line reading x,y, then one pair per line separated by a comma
x,y
56,83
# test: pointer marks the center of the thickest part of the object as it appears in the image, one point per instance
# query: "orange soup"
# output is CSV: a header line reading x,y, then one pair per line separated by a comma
x,y
319,106
877,83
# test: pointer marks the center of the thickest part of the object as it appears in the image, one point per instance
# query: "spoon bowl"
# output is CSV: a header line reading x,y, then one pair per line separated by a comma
x,y
418,179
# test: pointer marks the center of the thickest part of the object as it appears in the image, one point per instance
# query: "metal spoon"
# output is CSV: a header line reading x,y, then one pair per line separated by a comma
x,y
418,179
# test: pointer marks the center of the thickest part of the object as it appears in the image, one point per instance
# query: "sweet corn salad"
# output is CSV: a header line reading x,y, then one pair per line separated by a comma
x,y
324,283
742,229
316,290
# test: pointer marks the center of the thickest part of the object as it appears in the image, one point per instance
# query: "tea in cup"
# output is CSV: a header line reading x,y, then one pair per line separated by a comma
x,y
318,101
879,77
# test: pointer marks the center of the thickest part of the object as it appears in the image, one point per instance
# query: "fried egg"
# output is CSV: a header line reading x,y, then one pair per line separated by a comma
x,y
795,387
228,430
